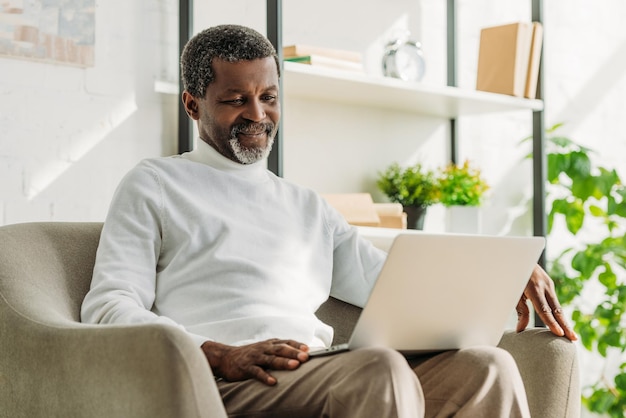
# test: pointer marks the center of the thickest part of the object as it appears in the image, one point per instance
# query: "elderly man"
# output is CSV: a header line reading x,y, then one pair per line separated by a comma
x,y
214,243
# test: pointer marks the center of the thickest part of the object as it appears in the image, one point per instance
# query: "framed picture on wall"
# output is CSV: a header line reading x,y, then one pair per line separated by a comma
x,y
61,32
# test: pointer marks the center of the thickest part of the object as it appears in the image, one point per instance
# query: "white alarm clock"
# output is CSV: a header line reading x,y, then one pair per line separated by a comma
x,y
404,59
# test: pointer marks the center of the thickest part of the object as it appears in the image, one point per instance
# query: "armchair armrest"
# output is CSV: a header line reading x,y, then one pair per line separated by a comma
x,y
549,368
103,371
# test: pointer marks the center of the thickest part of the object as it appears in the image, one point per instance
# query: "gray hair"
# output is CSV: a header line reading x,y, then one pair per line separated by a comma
x,y
231,43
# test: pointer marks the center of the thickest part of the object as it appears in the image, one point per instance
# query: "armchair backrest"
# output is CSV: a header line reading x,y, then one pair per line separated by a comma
x,y
46,268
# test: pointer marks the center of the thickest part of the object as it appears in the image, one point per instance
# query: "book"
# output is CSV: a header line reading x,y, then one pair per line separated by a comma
x,y
533,63
290,51
503,58
322,61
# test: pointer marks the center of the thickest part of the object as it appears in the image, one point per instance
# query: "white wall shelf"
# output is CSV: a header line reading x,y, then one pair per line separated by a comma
x,y
346,87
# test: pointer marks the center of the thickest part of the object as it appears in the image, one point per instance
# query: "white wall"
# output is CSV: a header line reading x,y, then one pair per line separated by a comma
x,y
68,135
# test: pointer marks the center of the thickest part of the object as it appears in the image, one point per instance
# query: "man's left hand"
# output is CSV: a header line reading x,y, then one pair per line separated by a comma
x,y
540,291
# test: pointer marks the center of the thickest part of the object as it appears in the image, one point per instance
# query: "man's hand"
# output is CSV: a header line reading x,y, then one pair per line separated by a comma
x,y
252,361
540,291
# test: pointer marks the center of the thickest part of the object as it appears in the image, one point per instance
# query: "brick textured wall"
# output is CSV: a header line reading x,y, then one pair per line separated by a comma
x,y
68,134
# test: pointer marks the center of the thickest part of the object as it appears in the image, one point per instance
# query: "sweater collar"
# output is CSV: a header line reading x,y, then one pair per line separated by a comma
x,y
205,154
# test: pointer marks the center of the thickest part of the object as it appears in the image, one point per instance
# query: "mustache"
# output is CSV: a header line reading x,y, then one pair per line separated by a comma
x,y
252,128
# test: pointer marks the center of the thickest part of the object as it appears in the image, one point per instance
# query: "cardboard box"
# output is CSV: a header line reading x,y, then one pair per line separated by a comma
x,y
391,215
359,209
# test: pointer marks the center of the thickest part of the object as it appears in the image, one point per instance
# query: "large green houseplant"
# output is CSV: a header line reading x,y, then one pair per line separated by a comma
x,y
415,187
591,199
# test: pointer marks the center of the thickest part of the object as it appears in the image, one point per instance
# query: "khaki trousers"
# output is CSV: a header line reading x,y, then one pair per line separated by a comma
x,y
380,383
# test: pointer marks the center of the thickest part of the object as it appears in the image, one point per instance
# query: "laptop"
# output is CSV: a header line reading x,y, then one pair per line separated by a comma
x,y
440,292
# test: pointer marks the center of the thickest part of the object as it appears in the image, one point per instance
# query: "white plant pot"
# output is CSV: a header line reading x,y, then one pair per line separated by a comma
x,y
464,219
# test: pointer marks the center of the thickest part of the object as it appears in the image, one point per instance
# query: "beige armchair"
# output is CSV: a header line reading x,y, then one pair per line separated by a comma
x,y
51,365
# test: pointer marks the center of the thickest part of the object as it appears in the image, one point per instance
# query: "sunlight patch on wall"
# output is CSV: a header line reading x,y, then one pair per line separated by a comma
x,y
42,177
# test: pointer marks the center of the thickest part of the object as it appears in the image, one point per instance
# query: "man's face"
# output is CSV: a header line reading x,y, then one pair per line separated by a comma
x,y
240,112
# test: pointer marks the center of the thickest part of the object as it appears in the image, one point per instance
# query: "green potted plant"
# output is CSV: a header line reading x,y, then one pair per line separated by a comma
x,y
590,199
461,185
414,187
462,190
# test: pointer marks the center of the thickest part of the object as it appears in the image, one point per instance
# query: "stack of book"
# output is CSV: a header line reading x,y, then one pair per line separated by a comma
x,y
508,59
324,57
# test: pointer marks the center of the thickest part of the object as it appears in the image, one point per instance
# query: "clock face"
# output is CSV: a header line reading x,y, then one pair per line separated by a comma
x,y
404,61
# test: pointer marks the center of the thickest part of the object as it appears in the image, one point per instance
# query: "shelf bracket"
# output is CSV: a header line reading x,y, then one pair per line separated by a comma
x,y
539,155
185,30
275,35
452,72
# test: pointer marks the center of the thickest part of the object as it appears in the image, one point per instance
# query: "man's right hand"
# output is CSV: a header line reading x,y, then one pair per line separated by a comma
x,y
254,360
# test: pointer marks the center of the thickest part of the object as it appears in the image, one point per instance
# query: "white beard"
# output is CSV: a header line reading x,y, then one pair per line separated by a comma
x,y
252,155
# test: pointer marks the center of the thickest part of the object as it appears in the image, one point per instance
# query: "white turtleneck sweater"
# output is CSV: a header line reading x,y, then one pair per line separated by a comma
x,y
228,252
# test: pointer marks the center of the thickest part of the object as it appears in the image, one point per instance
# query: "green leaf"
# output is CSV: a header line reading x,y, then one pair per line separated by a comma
x,y
621,294
579,165
567,288
613,337
604,312
584,188
560,206
554,127
597,211
600,401
573,211
587,336
550,221
586,263
575,216
608,278
557,164
616,207
562,142
606,181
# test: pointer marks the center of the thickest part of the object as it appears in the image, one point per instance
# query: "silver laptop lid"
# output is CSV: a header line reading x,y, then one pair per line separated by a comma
x,y
446,291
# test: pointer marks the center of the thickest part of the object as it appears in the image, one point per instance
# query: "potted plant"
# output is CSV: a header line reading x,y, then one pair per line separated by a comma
x,y
590,200
462,189
414,187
